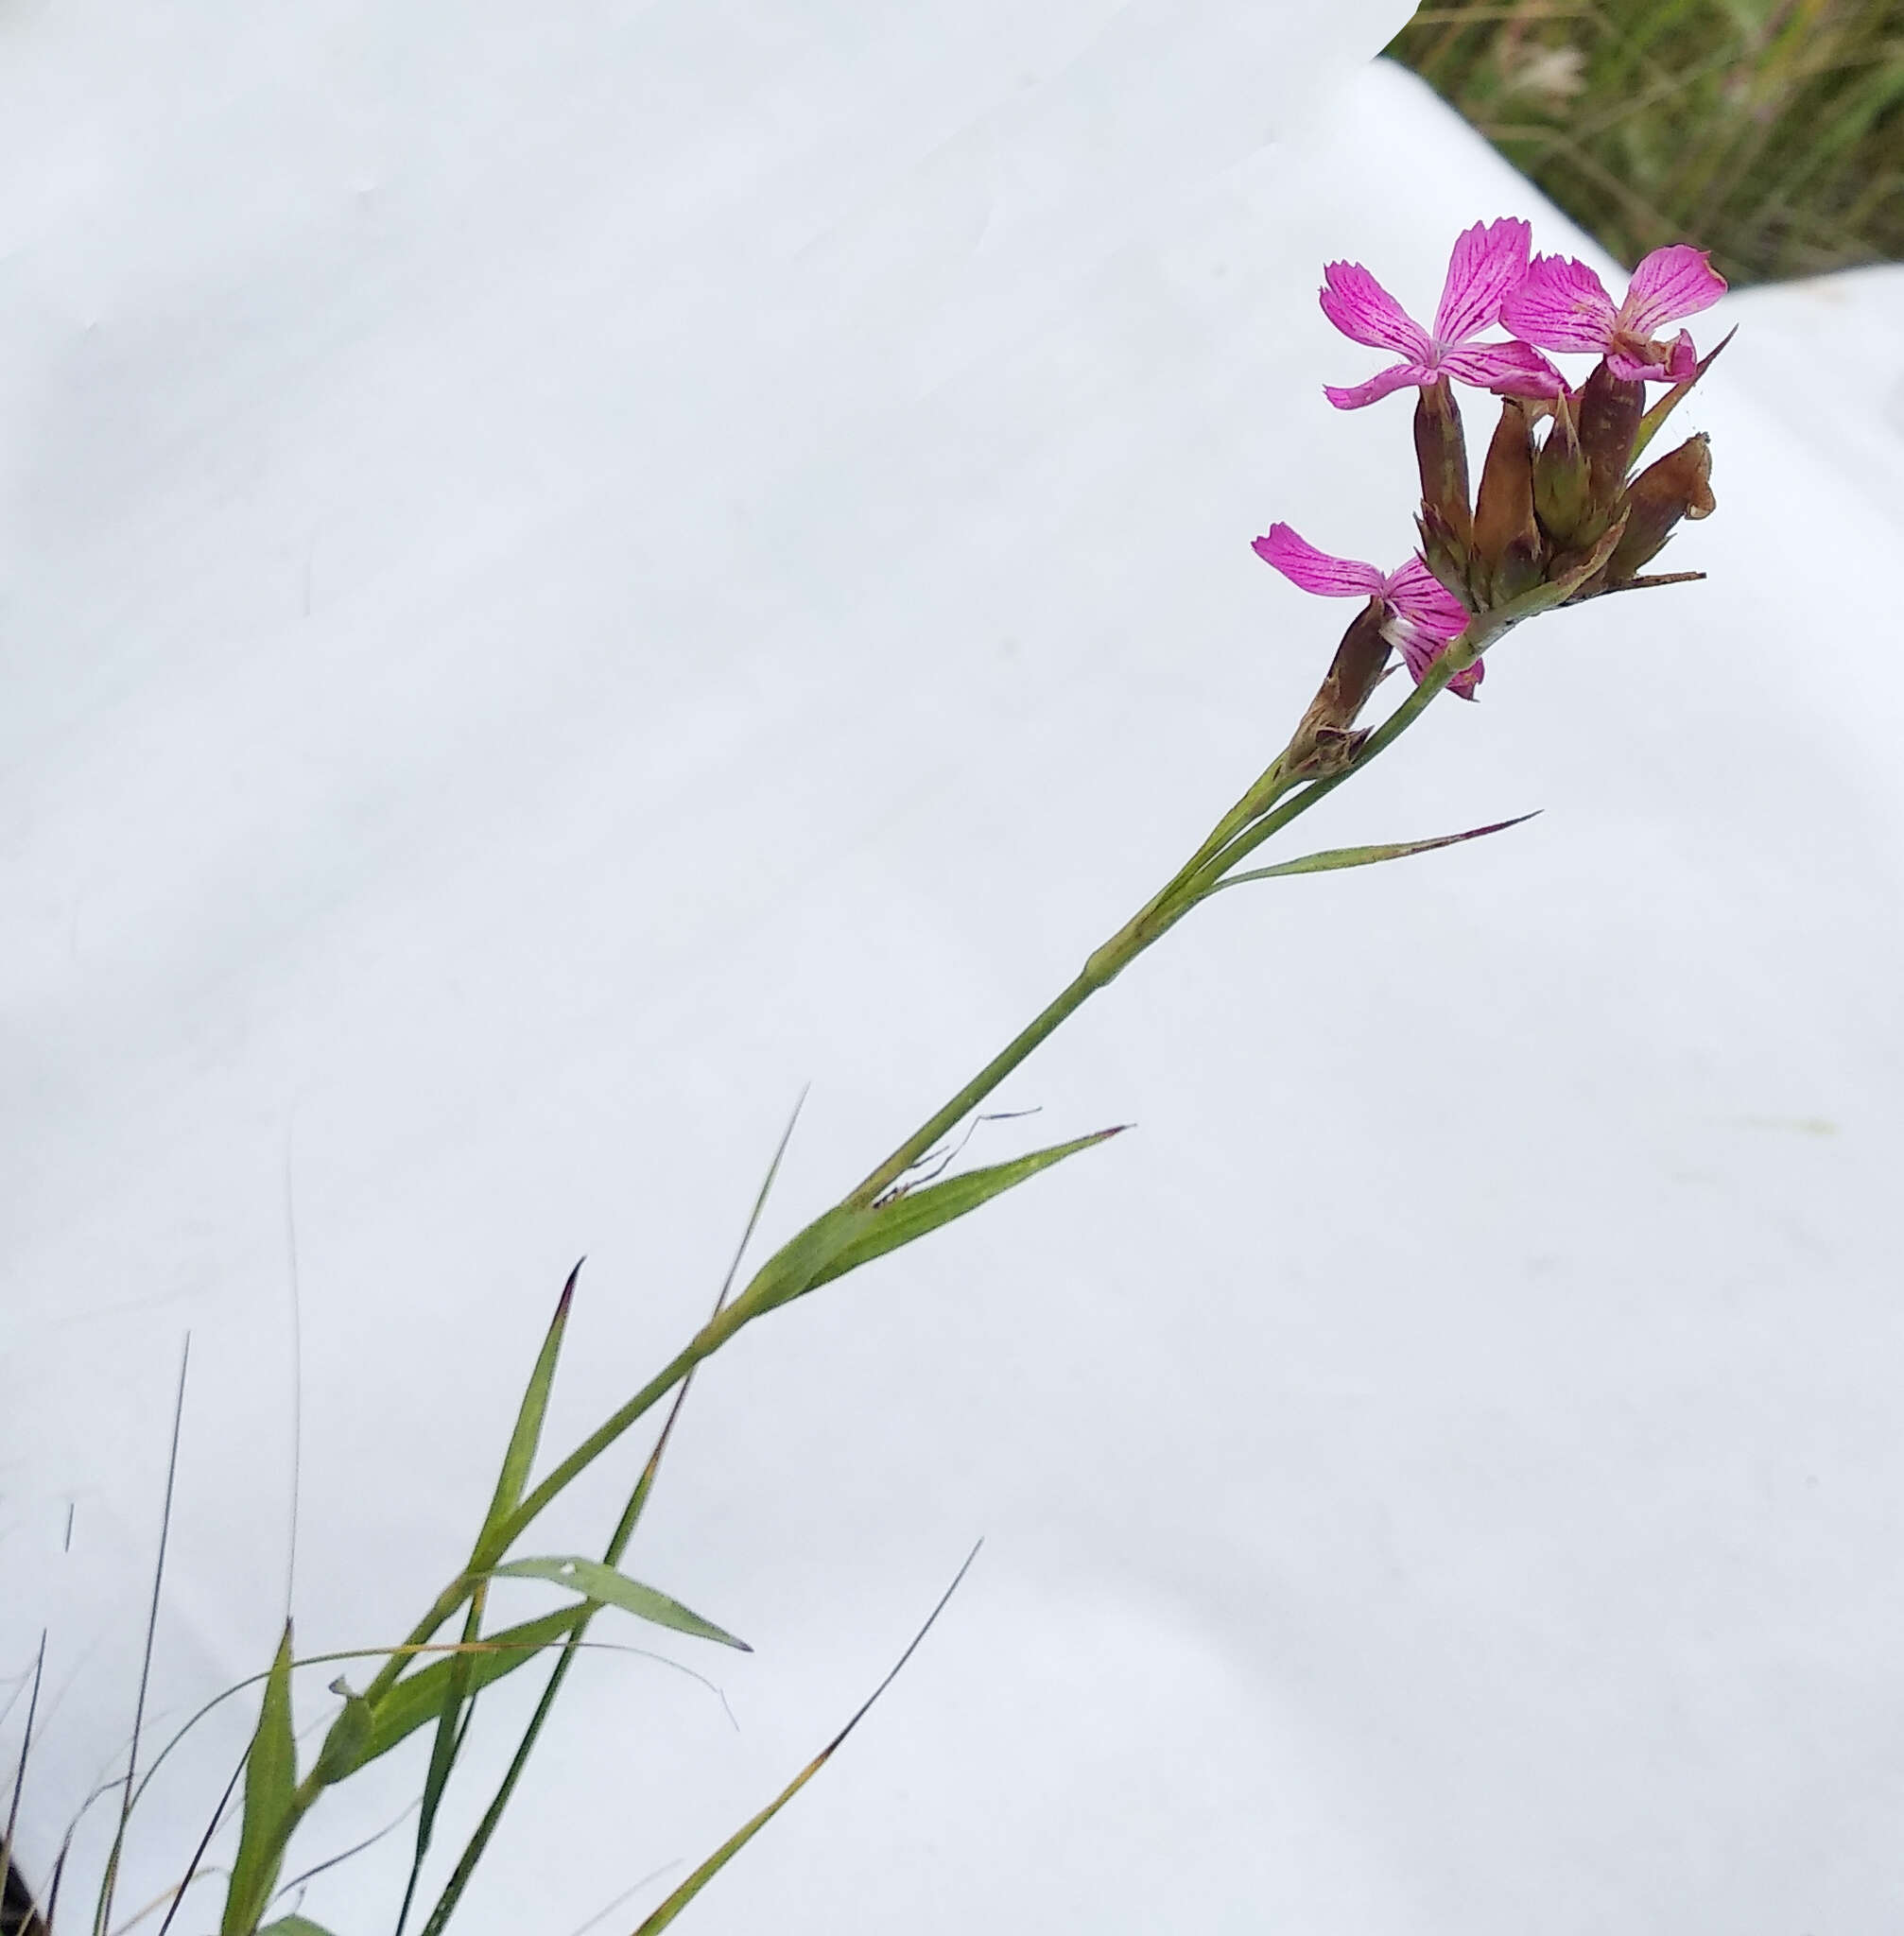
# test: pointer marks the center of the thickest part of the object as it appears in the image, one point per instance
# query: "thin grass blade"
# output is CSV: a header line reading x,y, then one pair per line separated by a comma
x,y
606,1587
21,1908
681,1897
479,1842
458,1699
271,1786
418,1699
513,1480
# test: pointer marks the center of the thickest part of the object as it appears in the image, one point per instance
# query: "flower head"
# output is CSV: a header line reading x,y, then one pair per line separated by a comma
x,y
1489,260
1421,615
1562,305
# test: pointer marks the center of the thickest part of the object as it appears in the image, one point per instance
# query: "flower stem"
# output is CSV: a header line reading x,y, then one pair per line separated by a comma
x,y
1254,819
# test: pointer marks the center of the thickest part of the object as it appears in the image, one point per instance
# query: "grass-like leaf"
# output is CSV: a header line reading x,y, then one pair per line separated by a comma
x,y
1649,424
513,1480
608,1588
459,1700
418,1698
681,1897
271,1786
851,1234
294,1926
1333,858
630,1518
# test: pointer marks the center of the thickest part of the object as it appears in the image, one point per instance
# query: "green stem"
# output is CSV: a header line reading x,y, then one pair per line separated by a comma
x,y
1209,876
704,1343
1247,825
1162,911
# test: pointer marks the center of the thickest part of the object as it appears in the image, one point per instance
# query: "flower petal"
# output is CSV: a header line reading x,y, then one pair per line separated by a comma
x,y
1396,376
1413,590
1419,653
1561,304
1418,649
1671,282
1316,571
1361,308
1489,261
1640,362
1510,370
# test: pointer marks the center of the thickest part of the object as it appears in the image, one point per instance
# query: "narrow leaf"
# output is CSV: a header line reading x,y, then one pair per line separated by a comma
x,y
514,1479
271,1786
418,1698
1334,857
294,1926
905,1218
459,1700
847,1236
443,1749
681,1897
1649,424
608,1588
474,1849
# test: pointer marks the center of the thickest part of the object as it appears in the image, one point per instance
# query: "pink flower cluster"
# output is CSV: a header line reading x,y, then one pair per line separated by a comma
x,y
1546,303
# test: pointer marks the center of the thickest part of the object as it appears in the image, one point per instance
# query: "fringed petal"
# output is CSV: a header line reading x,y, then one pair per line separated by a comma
x,y
1361,308
1561,304
1671,282
1396,376
1489,260
1316,571
1510,370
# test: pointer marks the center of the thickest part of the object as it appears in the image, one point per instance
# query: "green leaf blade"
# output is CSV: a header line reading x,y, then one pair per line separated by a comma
x,y
1332,858
513,1480
679,1898
270,1802
417,1699
606,1587
849,1235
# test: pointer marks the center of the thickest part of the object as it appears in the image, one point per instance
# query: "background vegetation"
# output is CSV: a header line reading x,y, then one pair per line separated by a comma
x,y
1769,131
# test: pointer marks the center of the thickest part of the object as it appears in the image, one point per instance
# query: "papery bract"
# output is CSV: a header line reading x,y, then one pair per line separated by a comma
x,y
1561,304
1421,615
1489,261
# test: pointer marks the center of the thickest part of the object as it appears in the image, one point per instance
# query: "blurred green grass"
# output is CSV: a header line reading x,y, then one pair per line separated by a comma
x,y
1769,132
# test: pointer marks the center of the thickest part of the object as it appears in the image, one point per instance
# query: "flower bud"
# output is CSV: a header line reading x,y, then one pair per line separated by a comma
x,y
1610,408
1561,498
1441,452
1353,673
1507,542
1446,555
1679,485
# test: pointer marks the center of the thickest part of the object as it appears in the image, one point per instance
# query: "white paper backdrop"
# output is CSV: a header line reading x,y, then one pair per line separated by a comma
x,y
558,582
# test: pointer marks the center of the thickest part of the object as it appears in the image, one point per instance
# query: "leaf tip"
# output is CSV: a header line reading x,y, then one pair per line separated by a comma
x,y
568,1297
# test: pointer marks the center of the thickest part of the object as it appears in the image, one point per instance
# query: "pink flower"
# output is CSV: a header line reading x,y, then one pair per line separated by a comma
x,y
1421,613
1563,306
1489,260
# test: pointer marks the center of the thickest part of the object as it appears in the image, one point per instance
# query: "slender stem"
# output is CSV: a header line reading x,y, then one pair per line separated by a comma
x,y
704,1343
1210,875
1160,913
1247,825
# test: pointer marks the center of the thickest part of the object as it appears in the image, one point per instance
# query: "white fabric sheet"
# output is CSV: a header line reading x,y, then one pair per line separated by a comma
x,y
561,580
